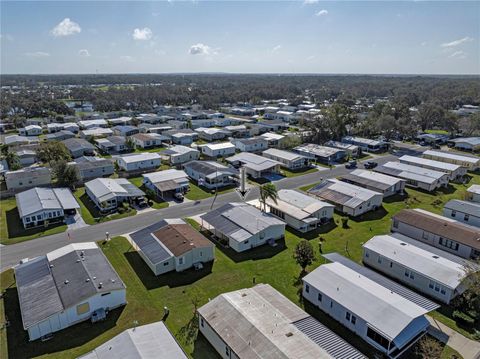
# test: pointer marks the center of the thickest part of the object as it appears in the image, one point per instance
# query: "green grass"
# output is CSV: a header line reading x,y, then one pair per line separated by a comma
x,y
151,150
137,181
290,173
11,227
450,353
437,132
197,193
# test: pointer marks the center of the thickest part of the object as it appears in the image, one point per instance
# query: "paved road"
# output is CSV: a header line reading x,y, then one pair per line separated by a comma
x,y
12,254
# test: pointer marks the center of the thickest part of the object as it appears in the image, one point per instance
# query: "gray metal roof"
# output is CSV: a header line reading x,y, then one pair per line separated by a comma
x,y
384,281
210,167
76,144
150,247
39,199
150,341
470,208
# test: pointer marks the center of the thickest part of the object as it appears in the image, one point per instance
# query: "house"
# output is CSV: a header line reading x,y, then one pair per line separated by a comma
x,y
473,193
70,126
414,176
441,232
274,140
15,140
139,161
387,185
288,159
255,166
65,287
385,319
210,174
93,167
79,147
120,121
226,121
429,270
454,171
254,144
274,125
42,206
166,183
365,144
470,163
238,131
181,137
207,122
349,199
172,245
86,124
60,135
96,132
321,153
177,155
301,212
212,134
463,211
148,140
112,144
432,138
125,130
352,150
109,193
148,128
27,178
32,130
243,226
215,150
26,157
147,341
260,322
471,144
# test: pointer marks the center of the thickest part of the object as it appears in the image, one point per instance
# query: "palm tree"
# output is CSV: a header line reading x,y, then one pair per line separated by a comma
x,y
13,161
267,191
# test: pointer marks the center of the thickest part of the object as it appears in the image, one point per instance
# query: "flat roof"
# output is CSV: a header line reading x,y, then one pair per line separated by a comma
x,y
317,150
145,156
179,150
41,199
416,173
166,175
260,322
381,308
253,161
399,249
219,146
287,155
375,179
474,188
297,204
442,166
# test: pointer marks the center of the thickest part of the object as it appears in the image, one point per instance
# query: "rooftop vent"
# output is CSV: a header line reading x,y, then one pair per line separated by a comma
x,y
289,334
66,281
94,277
87,280
78,261
436,257
403,244
244,294
100,285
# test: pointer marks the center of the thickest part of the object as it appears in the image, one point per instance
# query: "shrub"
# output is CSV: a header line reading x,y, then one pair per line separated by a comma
x,y
463,318
121,210
345,222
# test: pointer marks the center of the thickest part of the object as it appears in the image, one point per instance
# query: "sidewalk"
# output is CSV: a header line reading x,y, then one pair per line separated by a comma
x,y
468,349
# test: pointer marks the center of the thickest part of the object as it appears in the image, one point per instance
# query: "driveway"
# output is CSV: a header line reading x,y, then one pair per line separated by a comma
x,y
75,222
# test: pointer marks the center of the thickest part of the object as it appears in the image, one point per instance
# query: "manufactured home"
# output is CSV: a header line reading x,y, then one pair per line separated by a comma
x,y
387,185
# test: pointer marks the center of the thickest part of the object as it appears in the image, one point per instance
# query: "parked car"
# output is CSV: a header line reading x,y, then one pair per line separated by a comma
x,y
351,164
370,164
178,196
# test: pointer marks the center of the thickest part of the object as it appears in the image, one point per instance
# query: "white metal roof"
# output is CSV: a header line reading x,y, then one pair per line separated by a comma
x,y
219,146
452,156
474,188
318,150
39,199
381,308
108,188
400,249
416,173
377,177
351,190
253,161
441,166
272,136
167,175
287,155
297,204
145,156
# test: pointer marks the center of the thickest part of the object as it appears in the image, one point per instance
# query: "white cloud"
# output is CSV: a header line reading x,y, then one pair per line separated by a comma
x,y
311,57
84,53
277,48
142,34
457,42
424,43
66,27
37,54
200,49
311,2
459,54
321,12
127,58
7,37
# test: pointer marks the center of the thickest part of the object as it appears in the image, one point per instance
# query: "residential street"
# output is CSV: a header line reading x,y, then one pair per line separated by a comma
x,y
12,254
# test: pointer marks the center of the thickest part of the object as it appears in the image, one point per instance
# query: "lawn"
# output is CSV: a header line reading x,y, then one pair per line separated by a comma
x,y
197,193
11,227
437,132
144,150
91,214
295,173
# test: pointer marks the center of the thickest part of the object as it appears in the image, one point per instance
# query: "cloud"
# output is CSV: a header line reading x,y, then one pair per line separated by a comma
x,y
424,43
321,12
7,37
311,2
127,58
66,27
84,53
142,34
457,42
200,49
277,48
459,54
37,54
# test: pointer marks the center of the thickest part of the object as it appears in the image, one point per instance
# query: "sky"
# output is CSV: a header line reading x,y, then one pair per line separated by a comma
x,y
308,36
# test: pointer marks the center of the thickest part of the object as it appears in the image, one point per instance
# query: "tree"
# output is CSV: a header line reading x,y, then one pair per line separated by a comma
x,y
303,254
469,301
429,348
12,160
291,141
66,175
267,191
53,151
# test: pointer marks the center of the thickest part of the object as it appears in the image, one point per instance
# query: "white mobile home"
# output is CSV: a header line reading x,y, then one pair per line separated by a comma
x,y
430,270
348,198
255,166
387,185
290,160
172,245
215,150
300,211
109,193
267,324
463,211
65,287
27,178
365,144
274,140
438,231
243,226
177,155
139,162
473,193
417,177
469,162
454,171
253,144
148,140
321,153
212,134
93,167
210,174
166,183
32,130
467,143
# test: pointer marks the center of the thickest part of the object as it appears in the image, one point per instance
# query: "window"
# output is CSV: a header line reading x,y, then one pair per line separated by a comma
x,y
246,242
227,350
379,260
165,264
467,216
180,260
27,219
201,322
319,297
448,243
437,287
443,291
395,223
454,213
39,217
201,253
406,273
307,288
104,294
425,235
83,308
354,319
430,285
262,235
367,255
377,338
347,316
391,264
